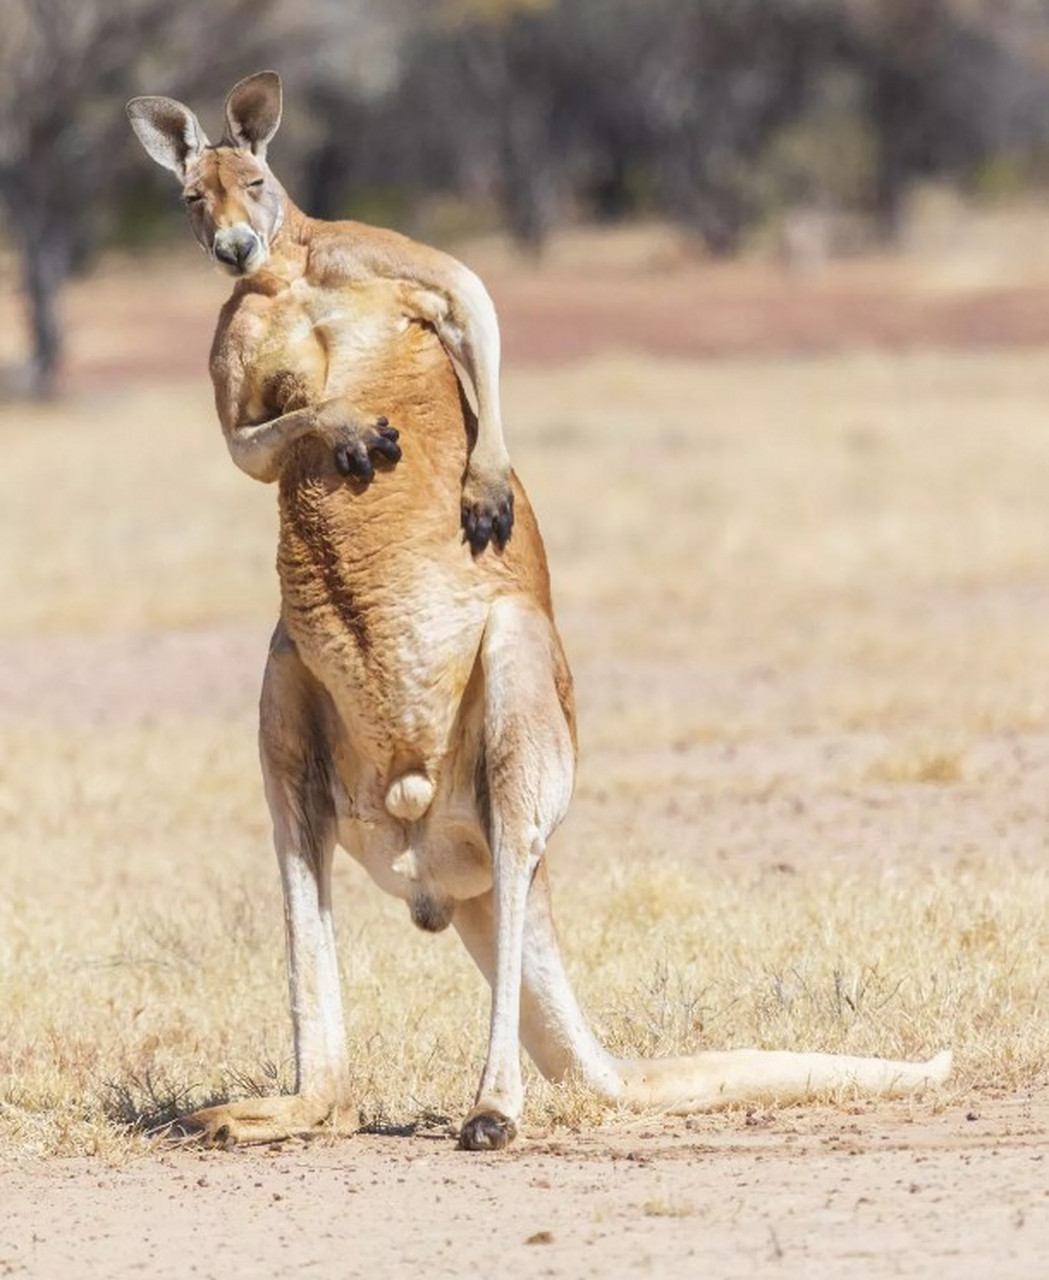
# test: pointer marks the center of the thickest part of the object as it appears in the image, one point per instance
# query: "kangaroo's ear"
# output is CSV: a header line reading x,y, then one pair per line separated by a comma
x,y
253,112
170,132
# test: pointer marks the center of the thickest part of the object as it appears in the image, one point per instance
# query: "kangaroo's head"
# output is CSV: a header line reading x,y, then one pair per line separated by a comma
x,y
235,204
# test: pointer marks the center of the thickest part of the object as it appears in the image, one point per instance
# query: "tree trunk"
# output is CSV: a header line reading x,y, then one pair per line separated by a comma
x,y
45,266
703,197
527,181
897,113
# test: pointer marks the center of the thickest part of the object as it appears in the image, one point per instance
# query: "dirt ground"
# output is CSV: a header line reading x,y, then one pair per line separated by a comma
x,y
809,1193
852,685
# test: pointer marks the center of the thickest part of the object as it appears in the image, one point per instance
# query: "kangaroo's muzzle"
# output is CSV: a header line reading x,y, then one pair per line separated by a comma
x,y
239,249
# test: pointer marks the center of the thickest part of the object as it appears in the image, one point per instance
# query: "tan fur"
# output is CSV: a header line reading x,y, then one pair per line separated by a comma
x,y
417,709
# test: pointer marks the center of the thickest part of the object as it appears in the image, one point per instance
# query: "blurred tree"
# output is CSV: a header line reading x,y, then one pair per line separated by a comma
x,y
479,104
721,80
951,83
66,69
549,104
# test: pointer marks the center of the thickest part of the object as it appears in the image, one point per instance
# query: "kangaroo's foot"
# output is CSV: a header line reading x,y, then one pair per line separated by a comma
x,y
266,1120
486,1130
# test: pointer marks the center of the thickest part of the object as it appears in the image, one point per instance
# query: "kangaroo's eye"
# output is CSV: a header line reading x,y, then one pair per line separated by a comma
x,y
193,197
257,182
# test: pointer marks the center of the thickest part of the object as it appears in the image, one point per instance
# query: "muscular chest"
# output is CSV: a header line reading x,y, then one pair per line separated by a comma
x,y
307,342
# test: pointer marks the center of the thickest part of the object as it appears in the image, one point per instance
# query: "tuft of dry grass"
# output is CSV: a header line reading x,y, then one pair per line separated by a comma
x,y
920,762
663,1206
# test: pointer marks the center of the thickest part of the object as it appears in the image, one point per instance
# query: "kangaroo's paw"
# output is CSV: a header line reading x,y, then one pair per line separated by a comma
x,y
488,507
485,1130
265,1120
358,449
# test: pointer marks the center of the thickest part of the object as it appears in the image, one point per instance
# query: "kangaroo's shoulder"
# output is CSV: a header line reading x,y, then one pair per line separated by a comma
x,y
348,251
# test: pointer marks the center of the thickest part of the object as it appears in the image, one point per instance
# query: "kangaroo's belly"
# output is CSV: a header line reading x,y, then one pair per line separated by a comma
x,y
398,652
397,656
411,771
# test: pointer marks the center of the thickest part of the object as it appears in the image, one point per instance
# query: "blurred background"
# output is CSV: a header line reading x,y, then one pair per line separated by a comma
x,y
795,131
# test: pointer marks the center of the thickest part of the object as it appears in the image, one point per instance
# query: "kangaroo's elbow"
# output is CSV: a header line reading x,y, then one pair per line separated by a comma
x,y
260,465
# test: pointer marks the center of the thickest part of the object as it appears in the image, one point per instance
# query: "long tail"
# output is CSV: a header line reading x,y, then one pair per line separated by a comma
x,y
710,1080
560,1042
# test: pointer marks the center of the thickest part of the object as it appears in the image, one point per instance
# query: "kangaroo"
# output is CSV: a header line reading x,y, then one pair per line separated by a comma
x,y
417,707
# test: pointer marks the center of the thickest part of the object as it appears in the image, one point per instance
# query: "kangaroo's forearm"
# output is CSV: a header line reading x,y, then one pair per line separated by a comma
x,y
470,331
258,448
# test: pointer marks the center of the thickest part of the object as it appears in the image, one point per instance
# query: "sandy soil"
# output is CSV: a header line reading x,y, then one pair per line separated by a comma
x,y
809,1193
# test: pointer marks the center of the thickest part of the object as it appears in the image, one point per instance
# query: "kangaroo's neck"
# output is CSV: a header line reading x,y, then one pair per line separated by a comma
x,y
290,246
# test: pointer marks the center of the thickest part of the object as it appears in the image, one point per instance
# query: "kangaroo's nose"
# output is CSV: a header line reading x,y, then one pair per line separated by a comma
x,y
234,246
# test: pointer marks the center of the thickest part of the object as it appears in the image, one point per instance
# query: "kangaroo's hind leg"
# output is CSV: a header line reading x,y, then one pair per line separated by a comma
x,y
529,759
553,1029
295,739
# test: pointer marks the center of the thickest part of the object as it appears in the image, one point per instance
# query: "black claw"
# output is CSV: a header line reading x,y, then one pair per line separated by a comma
x,y
222,1138
352,455
389,449
477,526
482,533
483,526
382,421
502,525
358,463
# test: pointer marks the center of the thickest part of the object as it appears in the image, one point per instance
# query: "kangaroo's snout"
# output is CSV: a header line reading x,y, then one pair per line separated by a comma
x,y
239,249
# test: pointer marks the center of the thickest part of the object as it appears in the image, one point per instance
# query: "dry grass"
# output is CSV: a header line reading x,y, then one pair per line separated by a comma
x,y
142,960
807,604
